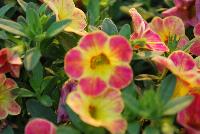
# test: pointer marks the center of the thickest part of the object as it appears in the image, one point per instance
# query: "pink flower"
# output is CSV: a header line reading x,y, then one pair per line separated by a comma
x,y
7,99
187,10
195,47
100,62
10,62
68,87
40,126
142,31
189,118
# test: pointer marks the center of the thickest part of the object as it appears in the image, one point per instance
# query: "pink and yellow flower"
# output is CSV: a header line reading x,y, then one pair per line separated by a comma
x,y
187,10
10,62
168,27
100,111
65,9
195,46
100,62
7,99
184,67
189,117
40,126
68,87
142,31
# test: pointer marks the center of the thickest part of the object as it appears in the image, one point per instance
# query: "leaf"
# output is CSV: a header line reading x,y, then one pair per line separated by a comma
x,y
32,58
4,9
167,87
177,104
66,130
133,128
93,9
46,100
151,130
57,27
3,35
109,27
46,82
22,92
12,27
22,4
36,109
8,130
125,31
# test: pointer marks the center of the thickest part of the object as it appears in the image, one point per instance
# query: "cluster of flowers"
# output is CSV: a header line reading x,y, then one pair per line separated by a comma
x,y
98,67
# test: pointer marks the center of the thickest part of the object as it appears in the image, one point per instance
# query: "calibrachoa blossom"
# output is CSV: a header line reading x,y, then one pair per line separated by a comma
x,y
187,10
10,62
100,62
68,86
100,111
65,9
189,118
168,27
40,126
195,46
184,67
142,31
7,100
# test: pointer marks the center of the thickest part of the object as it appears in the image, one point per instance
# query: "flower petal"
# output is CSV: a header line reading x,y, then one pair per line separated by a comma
x,y
197,30
10,84
3,113
121,77
92,86
73,63
118,126
195,48
13,108
40,126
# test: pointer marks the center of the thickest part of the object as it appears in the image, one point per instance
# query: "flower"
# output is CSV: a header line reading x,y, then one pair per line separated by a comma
x,y
68,86
195,46
142,31
100,62
100,111
65,9
187,10
7,99
10,62
40,126
189,117
184,67
169,27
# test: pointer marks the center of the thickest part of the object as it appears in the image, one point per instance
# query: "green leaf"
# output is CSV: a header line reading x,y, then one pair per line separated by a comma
x,y
46,100
109,27
12,27
36,78
32,58
93,9
22,4
3,35
167,87
8,130
125,31
22,92
36,109
177,104
46,82
4,9
133,128
57,27
66,130
151,130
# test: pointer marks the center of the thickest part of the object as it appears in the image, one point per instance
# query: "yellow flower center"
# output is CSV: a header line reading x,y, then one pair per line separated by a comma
x,y
99,60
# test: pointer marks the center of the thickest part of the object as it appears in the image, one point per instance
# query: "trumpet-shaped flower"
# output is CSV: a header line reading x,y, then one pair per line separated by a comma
x,y
40,126
184,67
68,87
169,27
187,10
195,46
7,100
142,31
189,117
9,62
100,62
65,9
100,111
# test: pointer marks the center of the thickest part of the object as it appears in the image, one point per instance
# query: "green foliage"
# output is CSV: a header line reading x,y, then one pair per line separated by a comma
x,y
109,27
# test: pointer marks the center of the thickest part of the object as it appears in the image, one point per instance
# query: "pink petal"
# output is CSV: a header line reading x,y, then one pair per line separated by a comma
x,y
15,70
120,47
92,86
197,30
40,126
73,63
121,77
10,84
195,48
182,42
118,127
13,108
3,113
